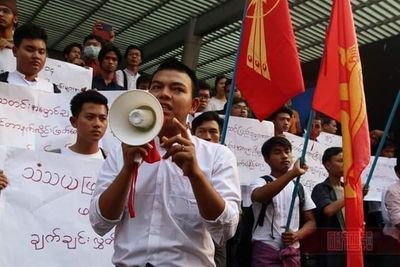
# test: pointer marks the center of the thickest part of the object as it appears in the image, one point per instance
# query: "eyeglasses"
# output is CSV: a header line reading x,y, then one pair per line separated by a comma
x,y
204,96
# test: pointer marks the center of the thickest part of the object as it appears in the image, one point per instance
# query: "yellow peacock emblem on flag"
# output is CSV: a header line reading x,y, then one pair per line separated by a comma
x,y
257,50
351,91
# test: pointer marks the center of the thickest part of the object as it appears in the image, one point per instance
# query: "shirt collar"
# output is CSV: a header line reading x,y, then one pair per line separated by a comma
x,y
23,77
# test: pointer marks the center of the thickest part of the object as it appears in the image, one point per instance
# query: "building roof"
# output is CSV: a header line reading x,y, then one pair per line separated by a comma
x,y
160,27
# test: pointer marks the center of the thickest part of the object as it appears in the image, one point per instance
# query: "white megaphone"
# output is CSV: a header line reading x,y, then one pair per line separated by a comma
x,y
136,117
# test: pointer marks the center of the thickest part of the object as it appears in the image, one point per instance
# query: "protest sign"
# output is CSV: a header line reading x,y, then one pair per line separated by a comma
x,y
316,171
38,120
34,119
330,139
382,178
245,138
68,77
44,212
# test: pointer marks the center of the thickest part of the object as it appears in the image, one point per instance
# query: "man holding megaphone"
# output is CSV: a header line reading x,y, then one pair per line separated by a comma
x,y
183,200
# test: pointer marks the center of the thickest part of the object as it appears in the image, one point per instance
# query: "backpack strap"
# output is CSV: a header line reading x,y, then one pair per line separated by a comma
x,y
4,77
103,153
55,89
125,80
260,219
301,195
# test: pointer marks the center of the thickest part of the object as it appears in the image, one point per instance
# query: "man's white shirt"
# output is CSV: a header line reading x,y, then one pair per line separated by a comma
x,y
130,77
68,151
168,229
17,78
391,210
277,213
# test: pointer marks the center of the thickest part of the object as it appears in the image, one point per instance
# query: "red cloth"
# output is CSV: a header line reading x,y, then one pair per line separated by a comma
x,y
268,70
152,156
340,94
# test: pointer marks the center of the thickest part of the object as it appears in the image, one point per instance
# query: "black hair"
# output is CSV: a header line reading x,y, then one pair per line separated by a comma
x,y
397,167
331,152
174,64
283,109
228,81
204,86
131,47
217,80
325,120
91,37
389,142
29,31
69,47
273,142
143,78
89,96
235,101
206,116
107,48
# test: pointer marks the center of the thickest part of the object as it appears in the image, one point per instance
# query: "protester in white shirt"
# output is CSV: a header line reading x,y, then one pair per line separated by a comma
x,y
127,77
391,217
30,51
218,101
183,201
18,78
270,238
89,117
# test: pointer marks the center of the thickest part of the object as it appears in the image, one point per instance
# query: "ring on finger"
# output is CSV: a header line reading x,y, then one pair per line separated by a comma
x,y
182,148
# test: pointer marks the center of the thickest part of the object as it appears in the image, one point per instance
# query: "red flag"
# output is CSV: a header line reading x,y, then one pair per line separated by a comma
x,y
268,71
340,94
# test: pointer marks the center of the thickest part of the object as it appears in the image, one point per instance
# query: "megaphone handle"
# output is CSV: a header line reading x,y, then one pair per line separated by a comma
x,y
137,159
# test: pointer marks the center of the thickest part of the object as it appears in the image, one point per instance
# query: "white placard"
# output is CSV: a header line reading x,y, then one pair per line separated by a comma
x,y
245,138
68,77
38,120
383,176
316,171
329,139
34,119
44,212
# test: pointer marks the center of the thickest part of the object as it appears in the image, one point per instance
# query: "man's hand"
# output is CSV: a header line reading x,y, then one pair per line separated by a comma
x,y
133,155
5,44
297,169
289,238
181,149
3,180
78,61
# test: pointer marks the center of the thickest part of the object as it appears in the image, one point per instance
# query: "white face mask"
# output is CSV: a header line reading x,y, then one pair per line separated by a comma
x,y
91,51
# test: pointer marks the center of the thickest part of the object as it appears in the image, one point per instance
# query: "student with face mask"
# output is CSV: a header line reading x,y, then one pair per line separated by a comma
x,y
92,45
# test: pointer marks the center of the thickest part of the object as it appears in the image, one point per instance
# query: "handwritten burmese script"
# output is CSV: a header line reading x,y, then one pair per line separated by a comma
x,y
316,172
44,211
34,119
245,138
38,120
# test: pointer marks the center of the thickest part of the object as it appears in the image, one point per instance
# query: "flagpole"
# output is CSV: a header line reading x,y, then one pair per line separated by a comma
x,y
302,161
383,139
233,83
